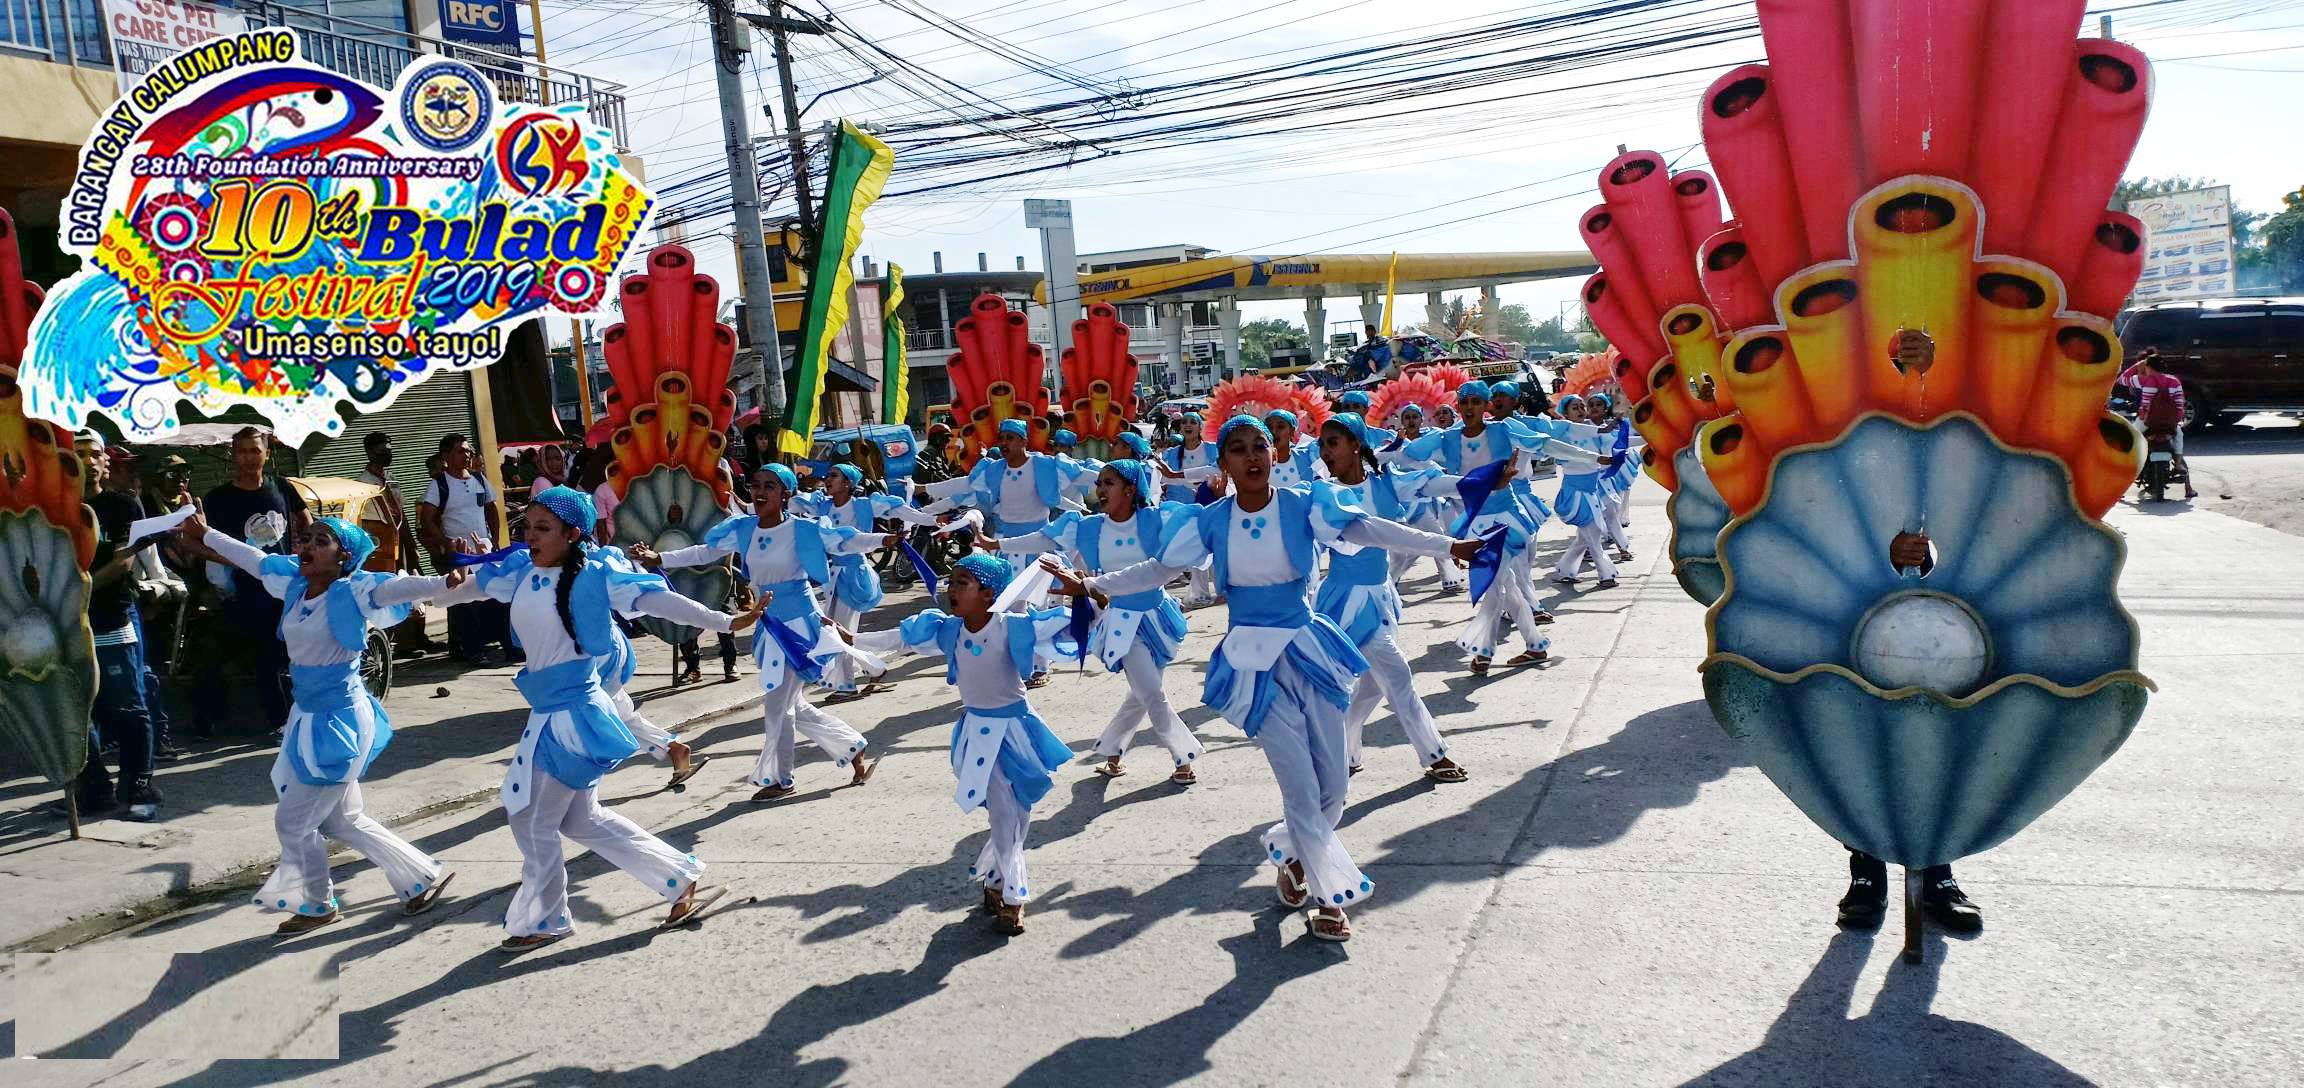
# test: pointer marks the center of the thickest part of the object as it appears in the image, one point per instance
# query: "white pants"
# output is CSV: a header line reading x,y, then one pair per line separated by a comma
x,y
1509,597
840,675
1303,740
305,819
1586,542
1389,678
1145,701
1451,575
541,904
654,739
1202,584
785,710
1612,520
1001,863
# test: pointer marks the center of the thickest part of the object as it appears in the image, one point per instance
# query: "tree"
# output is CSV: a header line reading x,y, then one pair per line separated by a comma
x,y
2281,266
1259,337
1514,324
1588,338
1550,334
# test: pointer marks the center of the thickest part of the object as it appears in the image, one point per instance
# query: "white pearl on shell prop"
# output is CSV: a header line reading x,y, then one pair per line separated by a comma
x,y
1922,640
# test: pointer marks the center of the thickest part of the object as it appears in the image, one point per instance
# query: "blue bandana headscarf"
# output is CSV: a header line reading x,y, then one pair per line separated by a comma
x,y
1352,423
1411,406
1139,476
1281,414
1193,419
1570,399
1504,389
355,541
855,475
1014,427
1135,444
990,571
1472,390
1236,422
1354,401
572,506
784,477
1064,437
1601,402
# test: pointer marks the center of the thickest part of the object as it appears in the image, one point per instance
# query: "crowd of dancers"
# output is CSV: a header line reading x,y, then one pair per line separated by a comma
x,y
1302,537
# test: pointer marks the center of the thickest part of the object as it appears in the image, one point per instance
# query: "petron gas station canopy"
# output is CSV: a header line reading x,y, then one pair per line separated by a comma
x,y
1230,280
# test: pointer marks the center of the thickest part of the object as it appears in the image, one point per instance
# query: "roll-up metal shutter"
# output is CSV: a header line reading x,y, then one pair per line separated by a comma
x,y
442,405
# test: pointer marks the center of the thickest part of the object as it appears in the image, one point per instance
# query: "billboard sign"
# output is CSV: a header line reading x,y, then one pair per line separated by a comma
x,y
2187,245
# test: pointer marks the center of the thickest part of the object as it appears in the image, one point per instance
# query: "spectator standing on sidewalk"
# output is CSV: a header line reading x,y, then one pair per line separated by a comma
x,y
458,516
258,510
385,519
152,583
120,716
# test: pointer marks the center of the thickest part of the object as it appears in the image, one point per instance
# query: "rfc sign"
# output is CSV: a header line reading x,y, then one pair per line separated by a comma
x,y
490,22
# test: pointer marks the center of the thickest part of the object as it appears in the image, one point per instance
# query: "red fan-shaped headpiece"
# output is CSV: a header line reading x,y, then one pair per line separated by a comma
x,y
1258,396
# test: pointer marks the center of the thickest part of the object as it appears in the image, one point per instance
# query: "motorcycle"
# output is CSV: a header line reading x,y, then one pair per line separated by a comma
x,y
2159,464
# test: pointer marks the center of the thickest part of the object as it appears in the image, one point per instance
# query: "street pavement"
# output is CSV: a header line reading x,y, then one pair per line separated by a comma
x,y
1616,898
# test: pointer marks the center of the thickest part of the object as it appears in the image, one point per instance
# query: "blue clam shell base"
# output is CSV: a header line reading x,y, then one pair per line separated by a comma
x,y
1697,513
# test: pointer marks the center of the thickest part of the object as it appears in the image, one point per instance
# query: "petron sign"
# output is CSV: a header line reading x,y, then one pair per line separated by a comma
x,y
262,231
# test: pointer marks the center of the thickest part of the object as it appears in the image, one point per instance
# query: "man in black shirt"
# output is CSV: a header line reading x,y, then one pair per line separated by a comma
x,y
265,513
119,713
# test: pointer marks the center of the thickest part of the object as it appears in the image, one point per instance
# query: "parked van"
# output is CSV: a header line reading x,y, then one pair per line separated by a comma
x,y
2234,355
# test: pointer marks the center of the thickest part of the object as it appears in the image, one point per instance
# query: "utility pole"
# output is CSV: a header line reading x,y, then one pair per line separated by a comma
x,y
778,27
575,324
729,44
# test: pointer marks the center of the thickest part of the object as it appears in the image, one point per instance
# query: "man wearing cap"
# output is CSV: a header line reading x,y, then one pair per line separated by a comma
x,y
120,713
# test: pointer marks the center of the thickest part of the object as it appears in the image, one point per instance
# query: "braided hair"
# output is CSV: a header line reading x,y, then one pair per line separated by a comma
x,y
571,565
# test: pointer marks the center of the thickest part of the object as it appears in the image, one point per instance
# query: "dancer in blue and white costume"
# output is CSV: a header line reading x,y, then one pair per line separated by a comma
x,y
1616,484
1356,401
1284,673
1581,501
562,594
1435,510
616,668
1183,467
336,729
1136,634
1016,491
1359,594
855,587
1295,455
1004,756
1080,471
1471,444
787,557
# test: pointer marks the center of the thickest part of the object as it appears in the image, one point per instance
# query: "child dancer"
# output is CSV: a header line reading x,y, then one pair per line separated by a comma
x,y
1136,634
1016,490
1182,467
855,587
562,594
1457,451
336,729
1616,483
1003,754
1295,458
1284,673
1358,593
787,557
1579,504
1433,511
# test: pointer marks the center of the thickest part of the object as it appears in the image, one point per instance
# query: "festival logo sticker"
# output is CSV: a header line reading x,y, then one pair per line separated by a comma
x,y
263,231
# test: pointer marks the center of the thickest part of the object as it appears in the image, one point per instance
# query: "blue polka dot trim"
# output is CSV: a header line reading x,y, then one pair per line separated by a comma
x,y
1338,897
417,890
515,787
1367,885
979,761
984,730
283,904
1275,855
971,793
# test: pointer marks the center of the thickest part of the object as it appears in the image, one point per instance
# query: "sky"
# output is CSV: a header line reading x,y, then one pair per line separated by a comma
x,y
2227,75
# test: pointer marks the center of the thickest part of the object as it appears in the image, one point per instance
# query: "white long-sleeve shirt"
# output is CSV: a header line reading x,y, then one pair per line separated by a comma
x,y
536,614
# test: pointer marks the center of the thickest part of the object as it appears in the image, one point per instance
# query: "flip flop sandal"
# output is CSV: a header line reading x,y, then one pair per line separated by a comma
x,y
773,793
306,923
429,899
849,695
1351,770
1009,920
1543,617
1036,682
1529,657
1605,583
1303,894
1111,770
680,778
1479,666
698,900
992,901
874,688
1328,927
1451,773
514,945
1184,776
864,770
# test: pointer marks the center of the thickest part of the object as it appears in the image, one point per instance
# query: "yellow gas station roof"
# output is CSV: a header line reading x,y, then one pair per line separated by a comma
x,y
1251,277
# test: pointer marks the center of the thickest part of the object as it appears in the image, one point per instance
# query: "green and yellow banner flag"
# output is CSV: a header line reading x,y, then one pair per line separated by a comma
x,y
860,168
895,391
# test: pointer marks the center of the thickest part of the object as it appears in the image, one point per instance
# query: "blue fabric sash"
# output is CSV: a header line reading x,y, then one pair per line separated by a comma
x,y
329,694
603,739
1030,774
1280,605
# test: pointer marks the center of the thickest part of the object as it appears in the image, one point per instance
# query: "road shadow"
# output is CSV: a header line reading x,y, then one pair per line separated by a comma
x,y
1897,1041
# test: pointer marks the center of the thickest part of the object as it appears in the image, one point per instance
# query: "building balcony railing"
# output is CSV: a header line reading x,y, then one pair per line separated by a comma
x,y
73,31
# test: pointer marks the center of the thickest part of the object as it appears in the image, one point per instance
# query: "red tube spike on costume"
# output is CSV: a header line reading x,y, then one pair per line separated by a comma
x,y
2108,93
1744,134
1917,74
1640,341
671,271
702,318
616,346
2115,259
1639,192
1698,195
1810,65
1732,280
2026,50
1604,235
1099,375
639,338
